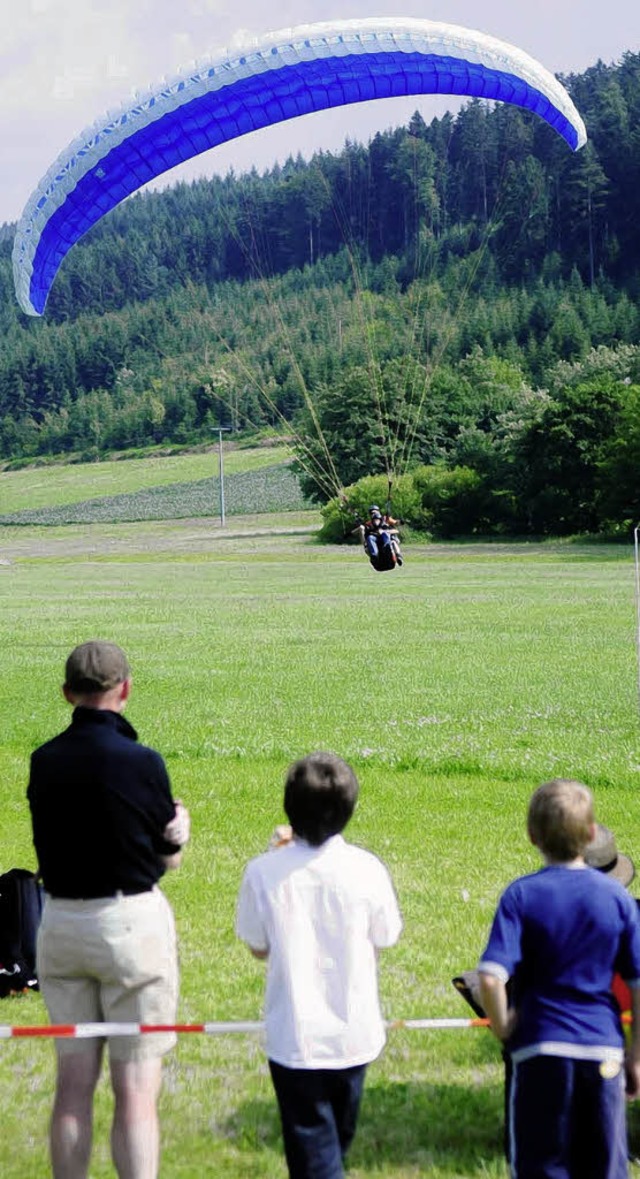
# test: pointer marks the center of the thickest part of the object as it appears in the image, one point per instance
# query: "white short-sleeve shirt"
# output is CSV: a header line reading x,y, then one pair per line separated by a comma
x,y
321,913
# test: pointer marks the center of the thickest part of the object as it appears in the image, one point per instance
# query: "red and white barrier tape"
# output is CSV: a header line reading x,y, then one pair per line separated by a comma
x,y
86,1031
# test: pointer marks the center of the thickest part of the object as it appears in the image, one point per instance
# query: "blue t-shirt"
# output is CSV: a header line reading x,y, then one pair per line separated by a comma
x,y
562,933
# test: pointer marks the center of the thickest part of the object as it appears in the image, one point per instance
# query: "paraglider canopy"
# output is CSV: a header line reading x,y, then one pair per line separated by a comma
x,y
290,73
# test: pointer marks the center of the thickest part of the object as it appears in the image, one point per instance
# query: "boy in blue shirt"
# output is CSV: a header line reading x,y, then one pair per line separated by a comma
x,y
562,933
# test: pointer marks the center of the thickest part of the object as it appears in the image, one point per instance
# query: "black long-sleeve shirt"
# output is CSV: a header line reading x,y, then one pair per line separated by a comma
x,y
99,805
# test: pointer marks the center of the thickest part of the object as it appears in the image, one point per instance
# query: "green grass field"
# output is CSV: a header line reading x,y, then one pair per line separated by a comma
x,y
454,686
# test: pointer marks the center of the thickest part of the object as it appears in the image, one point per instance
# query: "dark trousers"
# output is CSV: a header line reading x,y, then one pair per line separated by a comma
x,y
318,1111
567,1120
378,544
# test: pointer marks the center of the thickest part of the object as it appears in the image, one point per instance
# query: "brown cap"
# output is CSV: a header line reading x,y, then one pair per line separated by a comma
x,y
602,853
95,667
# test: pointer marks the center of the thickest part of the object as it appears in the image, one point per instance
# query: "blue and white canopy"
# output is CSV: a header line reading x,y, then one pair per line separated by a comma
x,y
290,73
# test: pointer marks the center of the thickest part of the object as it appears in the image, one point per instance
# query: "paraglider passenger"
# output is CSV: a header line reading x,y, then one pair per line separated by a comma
x,y
379,537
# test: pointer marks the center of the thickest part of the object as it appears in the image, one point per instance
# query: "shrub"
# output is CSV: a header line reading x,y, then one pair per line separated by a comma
x,y
453,502
341,519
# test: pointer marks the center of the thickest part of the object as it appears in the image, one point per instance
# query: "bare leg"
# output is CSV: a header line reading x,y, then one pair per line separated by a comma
x,y
72,1117
135,1134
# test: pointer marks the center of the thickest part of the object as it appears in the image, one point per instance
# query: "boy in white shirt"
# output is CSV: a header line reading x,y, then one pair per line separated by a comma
x,y
319,910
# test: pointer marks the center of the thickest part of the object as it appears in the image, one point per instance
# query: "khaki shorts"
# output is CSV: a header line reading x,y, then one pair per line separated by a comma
x,y
110,959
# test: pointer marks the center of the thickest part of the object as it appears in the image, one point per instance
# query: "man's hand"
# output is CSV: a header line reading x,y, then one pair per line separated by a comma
x,y
178,829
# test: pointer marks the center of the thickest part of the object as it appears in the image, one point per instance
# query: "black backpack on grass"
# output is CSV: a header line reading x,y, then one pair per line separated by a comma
x,y
20,912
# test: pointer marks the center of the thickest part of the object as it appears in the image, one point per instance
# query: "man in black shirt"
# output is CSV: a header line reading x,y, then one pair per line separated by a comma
x,y
105,829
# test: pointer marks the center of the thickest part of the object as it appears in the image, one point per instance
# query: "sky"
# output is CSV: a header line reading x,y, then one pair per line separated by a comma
x,y
64,63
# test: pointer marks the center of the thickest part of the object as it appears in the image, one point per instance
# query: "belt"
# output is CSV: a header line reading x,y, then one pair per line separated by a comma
x,y
104,896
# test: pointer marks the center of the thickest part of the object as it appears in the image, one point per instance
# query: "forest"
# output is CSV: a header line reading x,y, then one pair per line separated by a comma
x,y
453,307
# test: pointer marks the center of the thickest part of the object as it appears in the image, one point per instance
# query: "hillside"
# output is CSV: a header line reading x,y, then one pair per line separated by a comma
x,y
256,481
461,264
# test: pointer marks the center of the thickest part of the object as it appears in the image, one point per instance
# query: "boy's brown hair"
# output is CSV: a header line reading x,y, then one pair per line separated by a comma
x,y
560,819
319,796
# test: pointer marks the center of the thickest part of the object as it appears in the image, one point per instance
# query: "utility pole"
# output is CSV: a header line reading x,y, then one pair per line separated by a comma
x,y
221,430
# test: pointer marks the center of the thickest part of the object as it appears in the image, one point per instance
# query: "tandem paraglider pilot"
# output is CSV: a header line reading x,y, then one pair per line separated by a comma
x,y
105,829
380,539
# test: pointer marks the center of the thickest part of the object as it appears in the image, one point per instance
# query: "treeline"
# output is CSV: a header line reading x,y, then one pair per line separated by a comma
x,y
249,301
492,456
